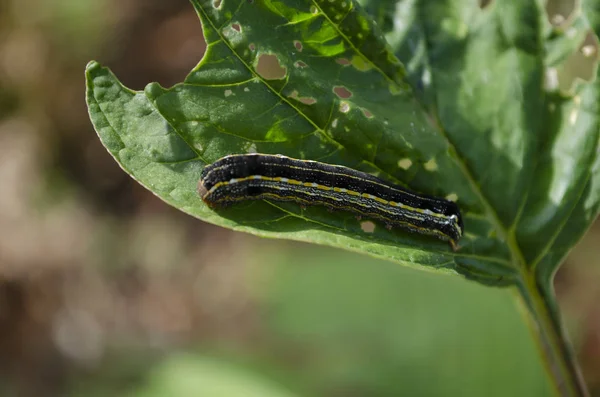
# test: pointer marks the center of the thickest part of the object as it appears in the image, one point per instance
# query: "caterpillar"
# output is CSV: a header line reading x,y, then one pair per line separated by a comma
x,y
275,177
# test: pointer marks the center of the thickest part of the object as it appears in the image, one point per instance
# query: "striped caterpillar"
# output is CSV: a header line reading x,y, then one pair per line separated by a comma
x,y
280,178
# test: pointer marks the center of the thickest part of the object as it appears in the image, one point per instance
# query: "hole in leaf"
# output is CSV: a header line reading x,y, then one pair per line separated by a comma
x,y
252,47
236,26
367,226
304,100
298,45
342,92
559,12
367,113
217,3
343,61
269,68
580,65
307,100
300,64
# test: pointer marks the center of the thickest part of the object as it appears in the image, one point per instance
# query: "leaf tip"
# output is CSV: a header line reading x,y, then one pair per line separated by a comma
x,y
92,66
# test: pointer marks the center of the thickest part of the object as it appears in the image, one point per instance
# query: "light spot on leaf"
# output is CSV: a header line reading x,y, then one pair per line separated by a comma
x,y
573,116
269,68
367,113
426,77
251,148
588,51
344,107
360,63
246,89
342,92
395,89
304,100
405,163
557,19
455,28
577,100
431,165
334,123
452,197
228,93
298,45
229,32
314,10
342,61
551,79
367,226
300,64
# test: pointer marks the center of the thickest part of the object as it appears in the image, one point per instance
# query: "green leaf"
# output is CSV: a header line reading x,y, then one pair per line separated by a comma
x,y
590,9
477,125
560,133
466,114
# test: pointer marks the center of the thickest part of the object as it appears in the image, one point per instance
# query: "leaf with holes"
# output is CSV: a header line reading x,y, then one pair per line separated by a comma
x,y
471,118
531,150
470,121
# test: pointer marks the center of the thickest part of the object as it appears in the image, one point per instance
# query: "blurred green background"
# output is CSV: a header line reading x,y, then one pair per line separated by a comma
x,y
107,291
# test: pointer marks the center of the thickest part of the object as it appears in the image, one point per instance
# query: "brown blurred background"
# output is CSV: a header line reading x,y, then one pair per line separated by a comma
x,y
106,290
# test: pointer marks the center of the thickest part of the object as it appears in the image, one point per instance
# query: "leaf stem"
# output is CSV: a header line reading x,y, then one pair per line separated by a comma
x,y
552,340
